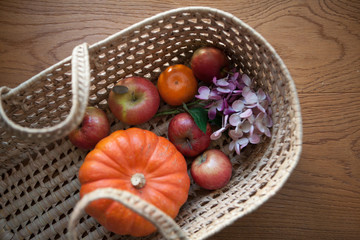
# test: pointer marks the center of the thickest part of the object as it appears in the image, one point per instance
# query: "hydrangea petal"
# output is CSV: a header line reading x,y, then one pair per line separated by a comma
x,y
260,126
268,121
246,114
220,105
251,105
243,142
246,90
204,93
232,86
246,126
261,95
269,111
267,132
225,121
232,145
268,98
250,97
229,111
248,111
245,78
261,108
214,95
254,139
222,83
260,117
237,92
234,120
214,80
234,77
223,90
238,105
212,113
251,119
215,135
235,134
252,128
237,148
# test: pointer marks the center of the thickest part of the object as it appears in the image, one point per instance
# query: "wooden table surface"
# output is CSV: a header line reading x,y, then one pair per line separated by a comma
x,y
319,41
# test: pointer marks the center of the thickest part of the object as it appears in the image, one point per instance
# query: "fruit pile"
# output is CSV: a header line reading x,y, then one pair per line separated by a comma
x,y
154,168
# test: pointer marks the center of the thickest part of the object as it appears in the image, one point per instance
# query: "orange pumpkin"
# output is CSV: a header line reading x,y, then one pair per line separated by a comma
x,y
142,163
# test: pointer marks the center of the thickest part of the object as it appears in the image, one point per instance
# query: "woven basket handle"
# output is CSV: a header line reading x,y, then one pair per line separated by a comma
x,y
80,73
165,224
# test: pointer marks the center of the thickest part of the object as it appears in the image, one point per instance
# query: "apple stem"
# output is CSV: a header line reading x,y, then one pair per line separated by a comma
x,y
178,110
189,143
199,101
138,180
168,112
133,96
203,158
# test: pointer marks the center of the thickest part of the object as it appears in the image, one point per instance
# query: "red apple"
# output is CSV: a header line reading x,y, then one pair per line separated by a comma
x,y
134,100
211,170
207,63
94,127
187,136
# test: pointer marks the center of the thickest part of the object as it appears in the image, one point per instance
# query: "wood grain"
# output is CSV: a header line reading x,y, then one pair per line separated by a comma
x,y
321,198
319,41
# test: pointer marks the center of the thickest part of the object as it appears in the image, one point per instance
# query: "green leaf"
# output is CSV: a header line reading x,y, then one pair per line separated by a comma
x,y
199,115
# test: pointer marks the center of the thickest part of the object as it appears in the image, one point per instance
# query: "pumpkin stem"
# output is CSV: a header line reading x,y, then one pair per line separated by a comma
x,y
138,180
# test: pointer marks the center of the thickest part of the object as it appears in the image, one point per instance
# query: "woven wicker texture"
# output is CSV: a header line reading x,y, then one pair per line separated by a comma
x,y
34,124
38,194
163,222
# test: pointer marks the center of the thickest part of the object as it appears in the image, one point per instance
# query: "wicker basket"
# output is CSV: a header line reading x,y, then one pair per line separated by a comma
x,y
39,186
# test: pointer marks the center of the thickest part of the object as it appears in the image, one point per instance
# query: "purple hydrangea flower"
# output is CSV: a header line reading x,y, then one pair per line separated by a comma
x,y
245,111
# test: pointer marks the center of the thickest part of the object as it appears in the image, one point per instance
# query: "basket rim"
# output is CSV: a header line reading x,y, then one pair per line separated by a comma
x,y
295,103
295,100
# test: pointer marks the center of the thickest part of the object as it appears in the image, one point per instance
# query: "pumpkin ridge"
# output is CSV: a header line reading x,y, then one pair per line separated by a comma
x,y
175,197
152,153
118,168
159,179
109,157
165,196
128,152
124,134
109,210
132,219
169,155
133,227
161,192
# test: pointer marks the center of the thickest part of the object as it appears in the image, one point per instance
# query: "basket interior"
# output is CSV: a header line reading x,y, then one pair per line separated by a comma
x,y
38,194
